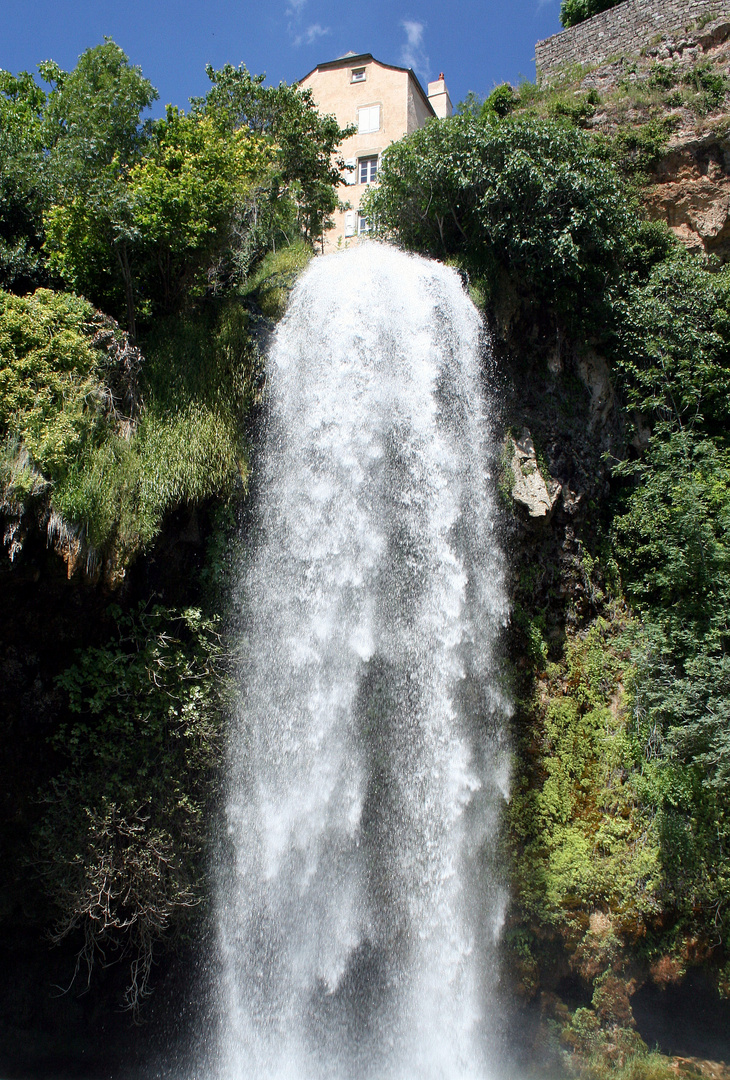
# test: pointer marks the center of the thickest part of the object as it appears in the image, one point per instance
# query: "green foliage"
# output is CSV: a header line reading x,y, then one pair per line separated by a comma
x,y
123,839
306,141
142,217
709,84
639,148
673,545
52,400
186,194
663,76
578,109
572,816
92,117
271,284
112,475
22,188
537,201
501,101
576,11
672,352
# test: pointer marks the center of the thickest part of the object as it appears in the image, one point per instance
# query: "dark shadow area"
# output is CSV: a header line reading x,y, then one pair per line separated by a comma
x,y
690,1020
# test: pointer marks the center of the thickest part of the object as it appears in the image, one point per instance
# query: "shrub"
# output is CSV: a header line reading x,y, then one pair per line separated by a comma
x,y
77,435
576,11
121,846
533,200
501,101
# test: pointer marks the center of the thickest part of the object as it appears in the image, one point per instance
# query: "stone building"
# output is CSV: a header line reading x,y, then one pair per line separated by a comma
x,y
385,103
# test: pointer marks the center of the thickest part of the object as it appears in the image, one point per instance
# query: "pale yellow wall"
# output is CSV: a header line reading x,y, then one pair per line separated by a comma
x,y
402,109
418,111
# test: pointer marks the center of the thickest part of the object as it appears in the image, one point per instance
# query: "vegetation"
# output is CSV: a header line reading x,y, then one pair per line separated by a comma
x,y
122,844
618,823
157,224
576,11
106,443
185,230
515,199
136,258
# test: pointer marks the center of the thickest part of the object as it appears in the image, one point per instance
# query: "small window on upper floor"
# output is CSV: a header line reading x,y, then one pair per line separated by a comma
x,y
368,170
368,120
358,75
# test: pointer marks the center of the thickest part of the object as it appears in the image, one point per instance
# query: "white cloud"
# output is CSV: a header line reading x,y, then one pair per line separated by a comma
x,y
297,35
413,54
311,34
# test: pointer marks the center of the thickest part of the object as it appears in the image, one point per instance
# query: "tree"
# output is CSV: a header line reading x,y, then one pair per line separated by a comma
x,y
307,141
22,181
672,345
92,124
185,195
534,202
124,832
94,134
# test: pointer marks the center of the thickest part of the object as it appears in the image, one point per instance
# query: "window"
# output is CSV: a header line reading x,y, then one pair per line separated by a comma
x,y
363,225
358,75
350,223
368,170
368,119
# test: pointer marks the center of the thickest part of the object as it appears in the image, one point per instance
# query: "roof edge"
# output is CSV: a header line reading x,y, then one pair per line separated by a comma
x,y
356,58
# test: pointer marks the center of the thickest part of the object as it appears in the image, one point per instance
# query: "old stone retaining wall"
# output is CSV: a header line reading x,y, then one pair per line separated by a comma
x,y
626,28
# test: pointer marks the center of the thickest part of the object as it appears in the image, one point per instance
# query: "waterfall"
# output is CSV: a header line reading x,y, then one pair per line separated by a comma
x,y
360,898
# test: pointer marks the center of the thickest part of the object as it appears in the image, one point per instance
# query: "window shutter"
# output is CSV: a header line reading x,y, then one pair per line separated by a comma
x,y
368,119
350,223
351,177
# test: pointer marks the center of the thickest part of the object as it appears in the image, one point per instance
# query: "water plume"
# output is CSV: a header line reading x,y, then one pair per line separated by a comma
x,y
360,895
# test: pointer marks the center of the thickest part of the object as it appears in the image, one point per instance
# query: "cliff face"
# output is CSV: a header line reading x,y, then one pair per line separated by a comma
x,y
676,90
692,191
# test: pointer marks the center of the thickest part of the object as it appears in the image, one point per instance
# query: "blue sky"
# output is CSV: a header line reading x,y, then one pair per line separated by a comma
x,y
477,43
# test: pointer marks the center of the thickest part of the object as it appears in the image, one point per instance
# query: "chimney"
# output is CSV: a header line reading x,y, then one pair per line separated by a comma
x,y
438,95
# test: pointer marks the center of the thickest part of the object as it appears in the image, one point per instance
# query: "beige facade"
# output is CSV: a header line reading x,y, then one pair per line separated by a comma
x,y
384,103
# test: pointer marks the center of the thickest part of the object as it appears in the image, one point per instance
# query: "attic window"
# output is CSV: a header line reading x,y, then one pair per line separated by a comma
x,y
358,75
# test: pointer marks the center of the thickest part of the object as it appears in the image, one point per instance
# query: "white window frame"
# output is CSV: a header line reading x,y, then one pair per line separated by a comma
x,y
358,75
368,119
363,225
369,165
350,223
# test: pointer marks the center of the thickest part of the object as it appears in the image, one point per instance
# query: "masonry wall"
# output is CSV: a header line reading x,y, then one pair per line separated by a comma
x,y
626,28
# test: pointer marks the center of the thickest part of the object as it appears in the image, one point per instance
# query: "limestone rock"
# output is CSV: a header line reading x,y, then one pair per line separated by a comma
x,y
595,376
530,491
693,192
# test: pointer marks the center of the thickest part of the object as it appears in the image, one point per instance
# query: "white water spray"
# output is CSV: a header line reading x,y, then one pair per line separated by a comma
x,y
361,901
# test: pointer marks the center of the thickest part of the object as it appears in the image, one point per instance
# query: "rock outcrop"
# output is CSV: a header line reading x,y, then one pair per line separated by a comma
x,y
534,496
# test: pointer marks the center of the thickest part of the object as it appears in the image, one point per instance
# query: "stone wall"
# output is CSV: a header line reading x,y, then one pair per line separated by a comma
x,y
626,28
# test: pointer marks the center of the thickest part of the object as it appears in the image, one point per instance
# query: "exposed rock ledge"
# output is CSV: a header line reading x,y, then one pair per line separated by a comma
x,y
534,497
692,193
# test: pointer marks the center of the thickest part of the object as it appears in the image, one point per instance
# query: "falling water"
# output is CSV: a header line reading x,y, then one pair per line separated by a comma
x,y
361,900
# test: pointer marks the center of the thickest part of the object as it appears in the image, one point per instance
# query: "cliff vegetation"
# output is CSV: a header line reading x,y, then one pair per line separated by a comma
x,y
613,337
141,262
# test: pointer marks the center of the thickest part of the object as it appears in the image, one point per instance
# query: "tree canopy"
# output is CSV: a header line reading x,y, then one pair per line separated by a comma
x,y
537,202
141,216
